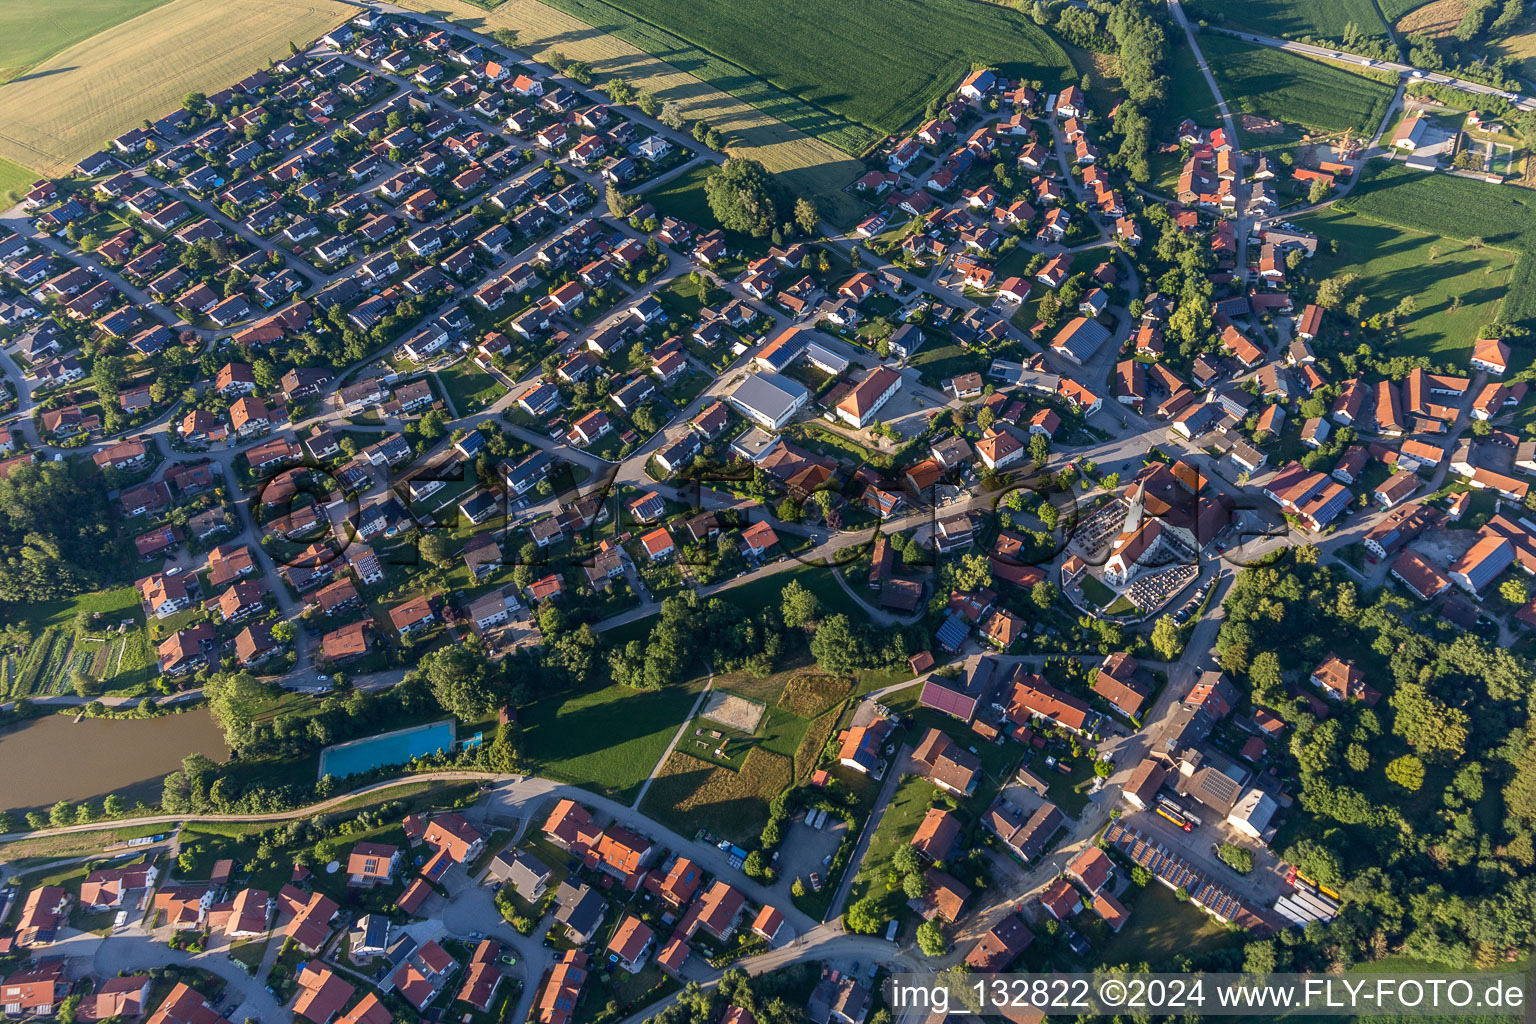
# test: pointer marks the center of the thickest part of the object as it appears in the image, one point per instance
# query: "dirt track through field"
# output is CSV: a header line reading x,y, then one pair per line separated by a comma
x,y
77,101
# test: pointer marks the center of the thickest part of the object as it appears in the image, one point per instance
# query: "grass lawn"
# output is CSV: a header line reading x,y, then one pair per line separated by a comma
x,y
683,197
1121,606
120,603
249,953
849,87
67,877
1096,592
34,30
1188,94
469,388
1394,262
14,180
1296,18
818,579
629,988
908,806
940,362
680,296
781,732
1069,792
1162,929
1272,83
609,738
550,855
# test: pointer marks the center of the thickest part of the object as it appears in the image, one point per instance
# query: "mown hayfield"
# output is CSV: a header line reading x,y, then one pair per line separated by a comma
x,y
1396,9
808,166
1272,83
1394,262
795,112
1435,19
1521,45
869,63
689,794
34,30
1441,204
1296,18
71,104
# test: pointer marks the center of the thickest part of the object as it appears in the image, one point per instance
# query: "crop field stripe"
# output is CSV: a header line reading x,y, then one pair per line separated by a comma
x,y
1444,204
877,65
72,104
799,114
848,87
1296,18
31,31
808,166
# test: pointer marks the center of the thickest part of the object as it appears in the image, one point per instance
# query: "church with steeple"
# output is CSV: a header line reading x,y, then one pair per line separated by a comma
x,y
1141,544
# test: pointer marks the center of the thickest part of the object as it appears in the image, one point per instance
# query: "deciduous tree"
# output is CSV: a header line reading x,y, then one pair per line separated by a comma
x,y
741,196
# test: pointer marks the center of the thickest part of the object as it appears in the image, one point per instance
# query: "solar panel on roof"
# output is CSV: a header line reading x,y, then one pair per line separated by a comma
x,y
941,698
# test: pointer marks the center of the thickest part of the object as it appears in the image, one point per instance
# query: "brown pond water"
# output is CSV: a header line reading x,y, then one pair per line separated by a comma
x,y
52,758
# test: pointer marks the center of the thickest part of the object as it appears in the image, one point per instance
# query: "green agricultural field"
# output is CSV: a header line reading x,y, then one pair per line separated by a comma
x,y
1272,83
31,31
1394,262
1441,204
607,739
1293,19
848,72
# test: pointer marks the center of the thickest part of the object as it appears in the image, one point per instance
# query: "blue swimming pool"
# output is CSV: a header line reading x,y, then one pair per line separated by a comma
x,y
398,747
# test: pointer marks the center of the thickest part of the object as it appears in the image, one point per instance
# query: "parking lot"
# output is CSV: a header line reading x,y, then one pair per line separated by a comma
x,y
806,849
1263,885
